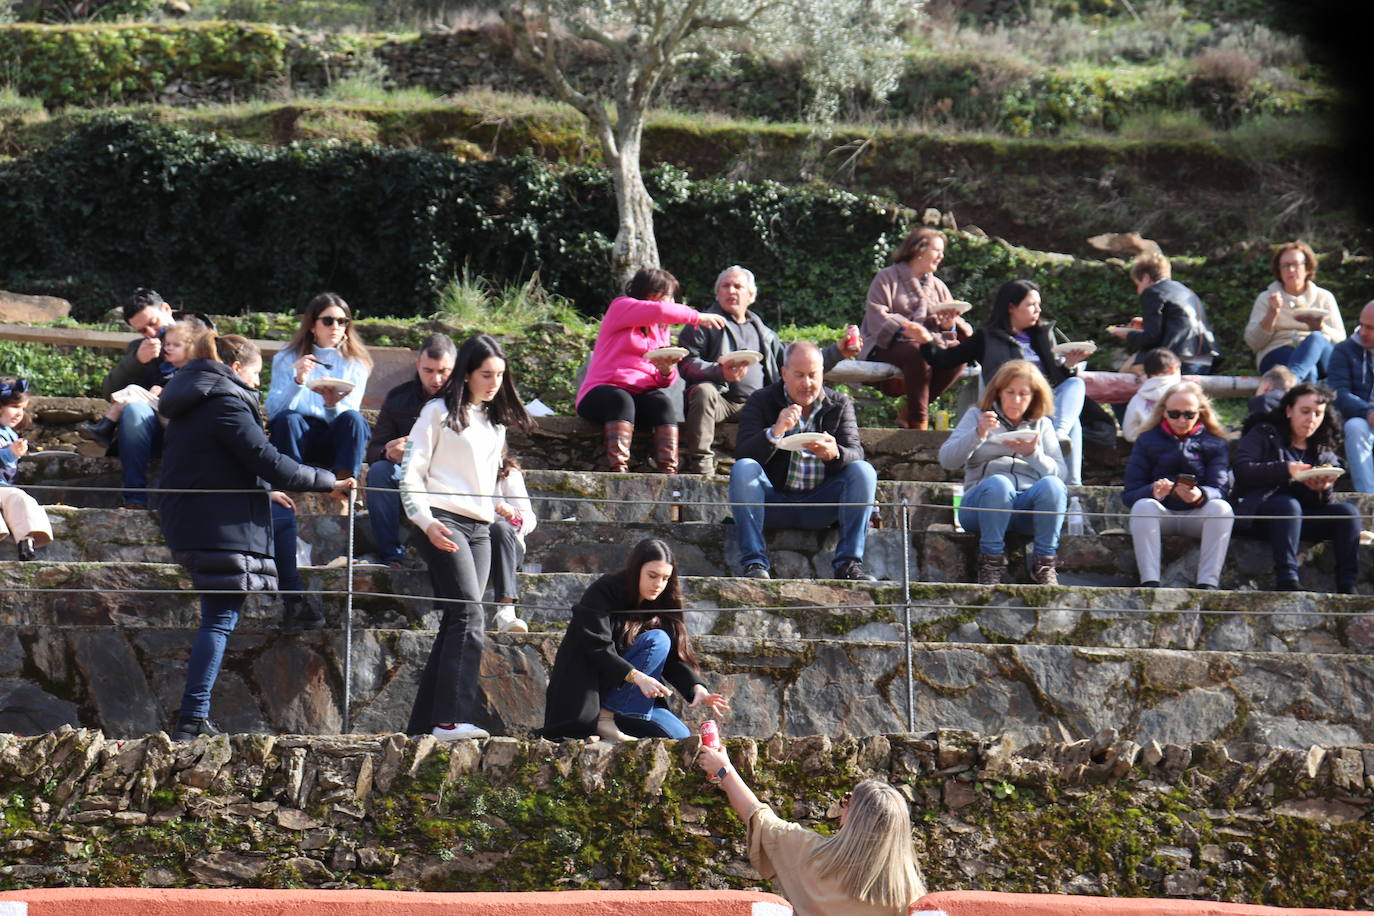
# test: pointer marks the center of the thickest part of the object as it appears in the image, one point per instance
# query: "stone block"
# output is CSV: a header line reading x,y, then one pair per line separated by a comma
x,y
18,308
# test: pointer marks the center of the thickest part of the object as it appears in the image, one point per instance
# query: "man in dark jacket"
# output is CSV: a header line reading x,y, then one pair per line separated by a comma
x,y
433,365
718,386
1171,316
138,431
828,469
1351,376
215,441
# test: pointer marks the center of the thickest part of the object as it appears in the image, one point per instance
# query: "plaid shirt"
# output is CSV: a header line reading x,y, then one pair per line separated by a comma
x,y
806,471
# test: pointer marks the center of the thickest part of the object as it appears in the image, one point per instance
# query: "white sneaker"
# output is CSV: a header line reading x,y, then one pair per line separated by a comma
x,y
459,732
507,622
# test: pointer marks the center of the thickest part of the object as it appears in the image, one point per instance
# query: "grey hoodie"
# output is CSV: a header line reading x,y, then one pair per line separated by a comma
x,y
979,458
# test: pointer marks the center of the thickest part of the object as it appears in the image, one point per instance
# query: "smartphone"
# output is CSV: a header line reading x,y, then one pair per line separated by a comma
x,y
1188,479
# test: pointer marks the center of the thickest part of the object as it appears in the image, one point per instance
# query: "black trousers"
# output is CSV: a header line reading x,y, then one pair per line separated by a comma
x,y
449,683
507,553
606,403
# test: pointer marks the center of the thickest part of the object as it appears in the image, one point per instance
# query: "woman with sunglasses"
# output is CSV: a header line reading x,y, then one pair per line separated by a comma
x,y
1176,484
865,868
316,424
1272,460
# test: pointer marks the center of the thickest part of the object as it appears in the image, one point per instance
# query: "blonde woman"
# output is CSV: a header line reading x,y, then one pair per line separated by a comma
x,y
866,868
1281,334
1014,471
1177,482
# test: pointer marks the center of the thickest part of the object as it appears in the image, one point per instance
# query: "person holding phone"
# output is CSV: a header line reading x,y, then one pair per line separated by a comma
x,y
1274,458
1176,483
1014,471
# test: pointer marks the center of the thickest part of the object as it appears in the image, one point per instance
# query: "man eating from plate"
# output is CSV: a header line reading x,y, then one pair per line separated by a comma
x,y
724,366
798,446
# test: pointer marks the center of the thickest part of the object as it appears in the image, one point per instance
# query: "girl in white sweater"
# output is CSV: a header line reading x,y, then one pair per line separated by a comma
x,y
448,477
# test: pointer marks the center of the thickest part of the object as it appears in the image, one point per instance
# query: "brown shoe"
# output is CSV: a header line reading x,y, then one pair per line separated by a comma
x,y
618,435
991,567
665,448
1043,571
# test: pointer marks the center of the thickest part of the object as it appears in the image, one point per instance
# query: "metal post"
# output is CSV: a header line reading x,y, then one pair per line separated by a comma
x,y
906,610
348,616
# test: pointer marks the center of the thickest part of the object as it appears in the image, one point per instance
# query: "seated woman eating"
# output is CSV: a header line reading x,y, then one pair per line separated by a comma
x,y
1013,471
1273,461
627,635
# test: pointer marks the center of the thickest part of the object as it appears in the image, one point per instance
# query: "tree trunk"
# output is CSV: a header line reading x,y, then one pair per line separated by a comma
x,y
635,246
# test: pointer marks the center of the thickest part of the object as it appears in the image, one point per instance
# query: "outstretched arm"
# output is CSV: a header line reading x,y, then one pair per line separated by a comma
x,y
742,798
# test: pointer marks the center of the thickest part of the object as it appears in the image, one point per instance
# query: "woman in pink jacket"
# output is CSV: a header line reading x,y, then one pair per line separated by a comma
x,y
623,388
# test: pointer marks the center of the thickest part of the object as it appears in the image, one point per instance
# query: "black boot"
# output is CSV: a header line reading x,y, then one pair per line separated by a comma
x,y
190,728
299,615
102,431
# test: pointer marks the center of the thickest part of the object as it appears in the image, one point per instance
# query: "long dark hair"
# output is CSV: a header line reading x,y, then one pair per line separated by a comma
x,y
664,612
1328,435
503,410
1008,294
303,340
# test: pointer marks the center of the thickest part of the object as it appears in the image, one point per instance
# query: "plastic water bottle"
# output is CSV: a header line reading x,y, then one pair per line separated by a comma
x,y
675,510
1077,526
958,501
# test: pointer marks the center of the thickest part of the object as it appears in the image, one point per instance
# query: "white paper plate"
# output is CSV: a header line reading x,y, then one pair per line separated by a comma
x,y
1012,435
676,352
953,305
1319,474
1120,327
339,384
1308,313
796,441
1075,346
53,453
748,357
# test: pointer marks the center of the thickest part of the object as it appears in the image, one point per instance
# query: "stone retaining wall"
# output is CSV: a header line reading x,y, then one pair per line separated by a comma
x,y
1100,816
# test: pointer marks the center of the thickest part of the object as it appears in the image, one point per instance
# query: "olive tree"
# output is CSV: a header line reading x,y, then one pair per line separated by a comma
x,y
843,44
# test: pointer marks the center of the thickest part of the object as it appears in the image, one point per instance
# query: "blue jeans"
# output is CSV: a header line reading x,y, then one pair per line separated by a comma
x,y
336,444
1359,453
1068,406
648,653
1308,360
218,616
284,549
1338,523
1048,494
384,508
140,439
752,497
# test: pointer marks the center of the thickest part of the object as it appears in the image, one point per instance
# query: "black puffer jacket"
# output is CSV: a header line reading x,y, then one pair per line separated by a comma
x,y
215,440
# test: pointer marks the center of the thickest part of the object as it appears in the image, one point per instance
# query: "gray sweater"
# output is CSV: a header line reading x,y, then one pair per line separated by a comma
x,y
979,458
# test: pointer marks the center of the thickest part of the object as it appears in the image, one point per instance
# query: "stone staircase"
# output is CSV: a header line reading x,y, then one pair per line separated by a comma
x,y
96,631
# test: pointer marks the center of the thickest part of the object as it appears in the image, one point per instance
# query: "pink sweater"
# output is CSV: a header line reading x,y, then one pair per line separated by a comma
x,y
631,328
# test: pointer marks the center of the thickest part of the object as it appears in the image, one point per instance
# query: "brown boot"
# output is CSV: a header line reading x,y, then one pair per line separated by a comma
x,y
1043,571
665,448
991,566
619,434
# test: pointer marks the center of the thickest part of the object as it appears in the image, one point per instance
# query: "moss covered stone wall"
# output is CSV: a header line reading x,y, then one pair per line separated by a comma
x,y
1101,816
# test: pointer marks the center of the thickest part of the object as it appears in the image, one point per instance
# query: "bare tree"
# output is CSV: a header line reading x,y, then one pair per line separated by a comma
x,y
843,43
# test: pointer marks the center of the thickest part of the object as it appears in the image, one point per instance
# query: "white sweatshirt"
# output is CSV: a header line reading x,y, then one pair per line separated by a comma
x,y
443,469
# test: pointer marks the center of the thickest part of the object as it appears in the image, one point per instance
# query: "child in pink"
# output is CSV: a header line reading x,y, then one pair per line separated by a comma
x,y
623,388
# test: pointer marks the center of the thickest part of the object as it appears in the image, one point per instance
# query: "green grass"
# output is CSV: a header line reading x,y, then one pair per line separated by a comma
x,y
470,301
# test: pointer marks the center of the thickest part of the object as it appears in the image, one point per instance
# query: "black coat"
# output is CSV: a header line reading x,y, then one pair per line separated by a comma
x,y
761,412
1173,317
991,347
214,440
701,365
398,414
588,666
1261,470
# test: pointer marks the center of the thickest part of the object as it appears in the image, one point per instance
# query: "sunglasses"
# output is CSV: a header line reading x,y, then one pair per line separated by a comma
x,y
1181,414
330,321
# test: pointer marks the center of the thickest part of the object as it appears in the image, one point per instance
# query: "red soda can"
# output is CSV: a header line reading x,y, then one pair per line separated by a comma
x,y
710,735
851,336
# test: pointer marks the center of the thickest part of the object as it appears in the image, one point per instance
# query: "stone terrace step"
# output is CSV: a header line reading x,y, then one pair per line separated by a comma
x,y
293,684
971,614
